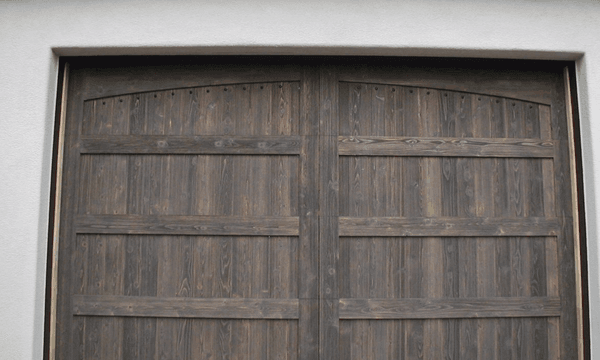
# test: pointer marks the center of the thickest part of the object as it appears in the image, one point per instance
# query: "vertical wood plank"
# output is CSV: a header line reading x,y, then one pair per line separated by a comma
x,y
486,247
345,339
202,330
328,219
95,286
449,207
120,115
433,287
547,164
308,274
139,335
176,122
501,209
228,121
412,207
466,207
552,266
552,278
535,207
140,279
79,286
174,280
112,331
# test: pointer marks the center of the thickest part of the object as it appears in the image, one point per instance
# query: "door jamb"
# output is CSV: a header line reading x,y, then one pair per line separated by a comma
x,y
578,212
54,211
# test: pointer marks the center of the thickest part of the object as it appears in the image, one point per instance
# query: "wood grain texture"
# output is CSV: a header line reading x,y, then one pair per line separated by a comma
x,y
308,205
328,222
516,82
459,186
177,307
448,183
447,226
159,144
444,308
445,147
142,74
186,225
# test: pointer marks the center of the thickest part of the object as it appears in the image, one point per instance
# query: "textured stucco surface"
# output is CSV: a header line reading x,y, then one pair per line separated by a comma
x,y
34,33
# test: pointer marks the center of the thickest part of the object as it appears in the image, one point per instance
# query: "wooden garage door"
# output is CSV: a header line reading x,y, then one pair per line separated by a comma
x,y
296,209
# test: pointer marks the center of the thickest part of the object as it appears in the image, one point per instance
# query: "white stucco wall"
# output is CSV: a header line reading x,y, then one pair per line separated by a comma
x,y
34,33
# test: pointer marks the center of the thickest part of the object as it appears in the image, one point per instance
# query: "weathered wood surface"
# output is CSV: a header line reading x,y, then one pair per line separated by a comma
x,y
186,225
447,308
445,147
66,332
139,144
328,210
250,109
177,307
448,226
214,185
515,81
140,74
196,187
438,225
308,204
448,187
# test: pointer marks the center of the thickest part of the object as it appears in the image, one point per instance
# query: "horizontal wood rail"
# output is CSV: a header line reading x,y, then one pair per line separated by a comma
x,y
456,227
187,225
449,308
444,146
155,144
178,307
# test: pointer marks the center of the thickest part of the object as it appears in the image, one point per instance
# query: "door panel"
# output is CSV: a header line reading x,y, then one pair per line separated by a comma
x,y
186,237
441,159
270,208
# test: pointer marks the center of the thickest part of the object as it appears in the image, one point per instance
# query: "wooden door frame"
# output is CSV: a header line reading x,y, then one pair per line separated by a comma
x,y
577,192
578,209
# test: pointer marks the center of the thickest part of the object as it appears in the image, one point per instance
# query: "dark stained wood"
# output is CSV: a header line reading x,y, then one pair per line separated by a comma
x,y
487,267
514,197
137,144
133,78
466,180
512,83
140,275
176,307
446,308
308,205
328,211
411,207
447,226
447,180
432,283
444,146
186,225
449,113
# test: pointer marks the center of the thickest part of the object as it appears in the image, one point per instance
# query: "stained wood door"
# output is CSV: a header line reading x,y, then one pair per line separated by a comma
x,y
192,227
451,231
300,209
